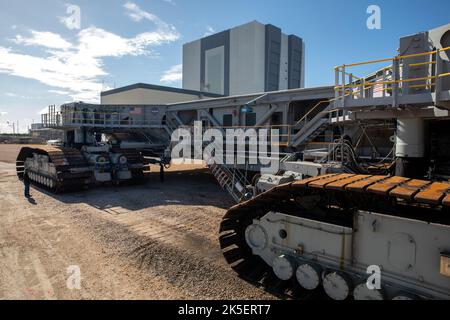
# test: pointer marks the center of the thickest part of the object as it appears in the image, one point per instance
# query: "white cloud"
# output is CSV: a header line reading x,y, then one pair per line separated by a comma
x,y
19,96
61,92
209,31
78,67
137,14
174,74
44,39
3,113
56,71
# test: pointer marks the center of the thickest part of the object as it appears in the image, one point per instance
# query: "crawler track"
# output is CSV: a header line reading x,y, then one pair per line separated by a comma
x,y
69,163
330,198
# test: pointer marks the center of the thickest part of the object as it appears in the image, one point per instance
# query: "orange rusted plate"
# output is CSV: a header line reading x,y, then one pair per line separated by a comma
x,y
446,200
383,187
409,189
320,184
340,184
360,186
433,194
304,182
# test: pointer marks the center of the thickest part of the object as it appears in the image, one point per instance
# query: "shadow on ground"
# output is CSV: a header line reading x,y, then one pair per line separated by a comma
x,y
188,187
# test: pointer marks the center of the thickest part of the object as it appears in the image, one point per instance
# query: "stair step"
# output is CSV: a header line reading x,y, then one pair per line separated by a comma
x,y
317,154
229,179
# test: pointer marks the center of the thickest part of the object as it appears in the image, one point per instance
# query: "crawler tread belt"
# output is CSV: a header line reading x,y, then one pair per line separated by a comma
x,y
69,163
337,197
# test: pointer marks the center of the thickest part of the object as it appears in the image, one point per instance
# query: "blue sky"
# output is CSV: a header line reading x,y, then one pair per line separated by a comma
x,y
43,60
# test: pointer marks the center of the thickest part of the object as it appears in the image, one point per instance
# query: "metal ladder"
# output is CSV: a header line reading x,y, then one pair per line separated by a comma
x,y
230,179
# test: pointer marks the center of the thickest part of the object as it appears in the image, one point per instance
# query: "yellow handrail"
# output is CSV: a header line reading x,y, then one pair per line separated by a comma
x,y
312,109
422,85
421,64
391,81
364,63
394,58
352,75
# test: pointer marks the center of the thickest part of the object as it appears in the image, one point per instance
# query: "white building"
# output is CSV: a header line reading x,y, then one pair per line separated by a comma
x,y
246,59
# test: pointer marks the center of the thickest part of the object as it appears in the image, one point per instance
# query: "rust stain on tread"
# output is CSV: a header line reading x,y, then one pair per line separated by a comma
x,y
323,182
361,185
383,187
434,193
409,189
341,184
305,182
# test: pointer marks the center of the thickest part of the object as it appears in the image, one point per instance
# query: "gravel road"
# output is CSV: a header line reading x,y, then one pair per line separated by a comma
x,y
150,241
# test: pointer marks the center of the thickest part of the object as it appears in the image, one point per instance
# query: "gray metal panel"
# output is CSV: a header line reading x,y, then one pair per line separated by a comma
x,y
417,43
418,99
295,54
211,42
159,88
440,38
272,60
273,97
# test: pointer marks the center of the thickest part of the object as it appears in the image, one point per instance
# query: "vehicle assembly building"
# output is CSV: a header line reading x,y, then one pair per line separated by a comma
x,y
246,59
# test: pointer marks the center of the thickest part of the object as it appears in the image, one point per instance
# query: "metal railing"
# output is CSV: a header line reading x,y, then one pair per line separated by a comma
x,y
96,118
390,80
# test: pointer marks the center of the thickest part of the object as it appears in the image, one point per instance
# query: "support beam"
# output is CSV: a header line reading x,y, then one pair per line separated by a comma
x,y
177,118
211,118
267,115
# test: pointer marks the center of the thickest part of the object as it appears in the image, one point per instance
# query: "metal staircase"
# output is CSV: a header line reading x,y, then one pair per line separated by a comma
x,y
229,179
310,129
172,123
310,132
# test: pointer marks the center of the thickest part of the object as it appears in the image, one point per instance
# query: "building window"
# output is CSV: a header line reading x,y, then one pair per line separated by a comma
x,y
250,119
215,70
227,120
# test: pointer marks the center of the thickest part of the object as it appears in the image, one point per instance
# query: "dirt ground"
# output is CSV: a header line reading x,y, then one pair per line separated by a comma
x,y
150,241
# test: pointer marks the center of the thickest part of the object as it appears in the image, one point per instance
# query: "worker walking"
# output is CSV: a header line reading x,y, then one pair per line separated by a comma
x,y
26,183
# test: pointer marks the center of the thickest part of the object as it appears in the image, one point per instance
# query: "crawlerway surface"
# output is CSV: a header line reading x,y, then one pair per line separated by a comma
x,y
150,241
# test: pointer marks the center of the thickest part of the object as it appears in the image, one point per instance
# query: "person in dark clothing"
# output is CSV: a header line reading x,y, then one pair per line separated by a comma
x,y
26,183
